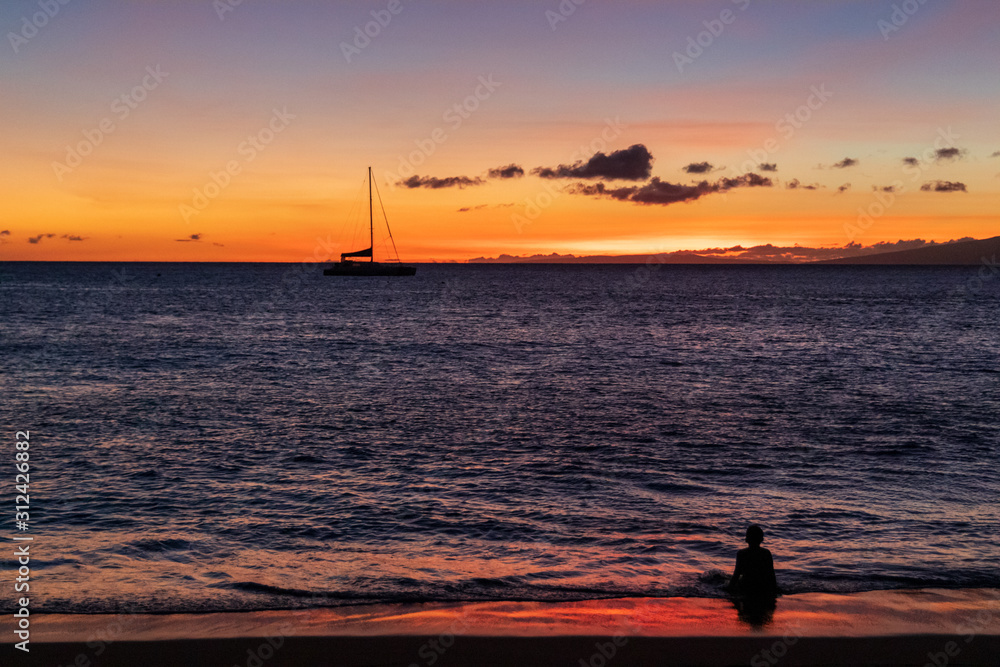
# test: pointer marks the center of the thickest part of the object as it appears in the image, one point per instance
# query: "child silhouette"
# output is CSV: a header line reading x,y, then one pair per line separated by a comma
x,y
754,573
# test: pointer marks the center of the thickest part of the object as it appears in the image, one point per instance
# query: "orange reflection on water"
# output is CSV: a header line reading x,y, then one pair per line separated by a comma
x,y
877,613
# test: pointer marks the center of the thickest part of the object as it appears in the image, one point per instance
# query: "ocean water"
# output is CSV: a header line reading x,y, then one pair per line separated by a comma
x,y
249,436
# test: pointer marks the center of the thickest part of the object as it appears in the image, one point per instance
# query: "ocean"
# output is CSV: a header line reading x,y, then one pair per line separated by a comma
x,y
227,437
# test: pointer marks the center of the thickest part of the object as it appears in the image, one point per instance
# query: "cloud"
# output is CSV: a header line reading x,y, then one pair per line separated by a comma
x,y
698,168
38,239
885,188
654,192
795,184
750,180
911,161
995,154
193,237
768,166
943,186
435,183
845,163
844,188
948,154
716,251
635,163
466,209
5,232
510,171
218,244
663,193
72,237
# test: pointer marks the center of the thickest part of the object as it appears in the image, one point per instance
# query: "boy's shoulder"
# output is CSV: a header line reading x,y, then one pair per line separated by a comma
x,y
749,550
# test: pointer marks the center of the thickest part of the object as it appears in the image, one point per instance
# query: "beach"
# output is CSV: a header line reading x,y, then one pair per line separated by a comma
x,y
902,627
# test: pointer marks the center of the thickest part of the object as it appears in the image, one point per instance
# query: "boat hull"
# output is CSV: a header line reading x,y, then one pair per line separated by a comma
x,y
368,269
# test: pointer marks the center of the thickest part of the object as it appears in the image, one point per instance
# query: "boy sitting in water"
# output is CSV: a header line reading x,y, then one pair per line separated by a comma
x,y
754,573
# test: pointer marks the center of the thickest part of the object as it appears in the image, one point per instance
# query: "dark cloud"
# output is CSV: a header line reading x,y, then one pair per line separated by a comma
x,y
193,237
948,154
943,186
995,154
635,163
663,193
72,237
750,180
885,188
845,163
844,188
465,209
698,168
768,166
911,161
510,171
38,239
795,184
5,232
218,244
654,192
435,183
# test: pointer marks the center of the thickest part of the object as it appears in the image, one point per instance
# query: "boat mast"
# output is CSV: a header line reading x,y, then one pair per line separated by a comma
x,y
371,223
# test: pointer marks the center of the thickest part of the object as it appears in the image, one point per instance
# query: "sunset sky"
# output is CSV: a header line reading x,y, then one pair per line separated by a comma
x,y
121,119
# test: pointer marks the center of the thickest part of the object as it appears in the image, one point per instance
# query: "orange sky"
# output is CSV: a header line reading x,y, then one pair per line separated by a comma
x,y
198,87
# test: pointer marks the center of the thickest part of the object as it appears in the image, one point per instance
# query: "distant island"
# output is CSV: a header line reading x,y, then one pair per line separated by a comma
x,y
961,252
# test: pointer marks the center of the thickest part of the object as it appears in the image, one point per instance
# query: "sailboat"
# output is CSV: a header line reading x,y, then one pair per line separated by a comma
x,y
348,266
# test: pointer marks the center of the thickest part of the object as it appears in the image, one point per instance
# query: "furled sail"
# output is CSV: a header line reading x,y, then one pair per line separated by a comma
x,y
367,252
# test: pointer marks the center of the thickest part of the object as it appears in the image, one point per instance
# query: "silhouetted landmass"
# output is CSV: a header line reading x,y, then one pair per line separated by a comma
x,y
665,258
962,253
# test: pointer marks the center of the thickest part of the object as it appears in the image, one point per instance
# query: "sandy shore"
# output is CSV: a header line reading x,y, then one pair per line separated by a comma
x,y
935,627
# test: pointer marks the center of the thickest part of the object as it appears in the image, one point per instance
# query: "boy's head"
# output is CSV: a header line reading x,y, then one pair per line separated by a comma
x,y
755,535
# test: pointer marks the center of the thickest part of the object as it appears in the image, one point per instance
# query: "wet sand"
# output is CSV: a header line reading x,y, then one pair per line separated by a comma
x,y
936,627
